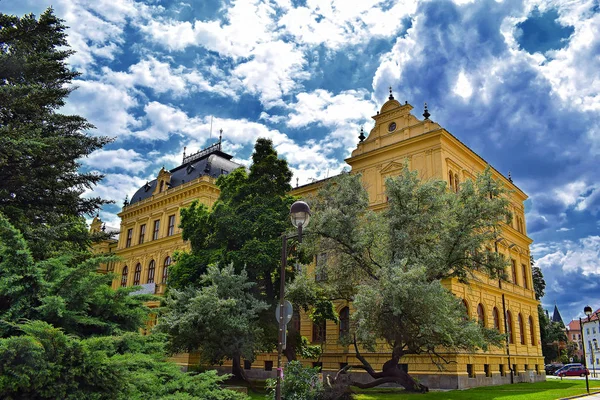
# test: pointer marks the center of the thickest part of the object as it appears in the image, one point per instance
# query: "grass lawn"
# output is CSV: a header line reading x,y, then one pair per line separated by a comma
x,y
549,390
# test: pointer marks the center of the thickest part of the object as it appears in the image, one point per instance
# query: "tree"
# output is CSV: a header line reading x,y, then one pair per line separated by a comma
x,y
39,147
243,227
45,363
539,284
393,264
220,319
65,291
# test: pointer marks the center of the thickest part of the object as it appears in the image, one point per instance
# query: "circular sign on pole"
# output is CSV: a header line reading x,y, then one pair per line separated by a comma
x,y
288,311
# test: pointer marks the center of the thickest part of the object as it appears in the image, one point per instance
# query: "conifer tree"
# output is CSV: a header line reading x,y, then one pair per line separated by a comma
x,y
41,184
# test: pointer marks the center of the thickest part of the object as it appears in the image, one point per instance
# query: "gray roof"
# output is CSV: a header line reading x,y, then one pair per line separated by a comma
x,y
204,163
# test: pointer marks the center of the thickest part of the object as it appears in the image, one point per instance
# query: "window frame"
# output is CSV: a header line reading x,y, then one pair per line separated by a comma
x,y
165,270
142,233
156,229
124,276
129,237
137,274
151,271
171,226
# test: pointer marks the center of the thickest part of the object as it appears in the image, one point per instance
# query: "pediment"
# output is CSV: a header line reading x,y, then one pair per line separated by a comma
x,y
392,167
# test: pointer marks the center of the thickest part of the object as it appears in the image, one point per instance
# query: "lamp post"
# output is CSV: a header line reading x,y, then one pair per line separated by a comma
x,y
588,311
300,216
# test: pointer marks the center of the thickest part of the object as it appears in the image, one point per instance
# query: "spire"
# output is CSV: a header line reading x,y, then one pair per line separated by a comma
x,y
556,315
391,95
426,112
361,137
509,177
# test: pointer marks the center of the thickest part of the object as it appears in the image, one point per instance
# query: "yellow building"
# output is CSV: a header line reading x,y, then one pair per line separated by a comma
x,y
149,236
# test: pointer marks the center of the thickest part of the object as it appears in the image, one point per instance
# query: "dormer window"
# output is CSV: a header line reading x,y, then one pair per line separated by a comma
x,y
147,186
189,169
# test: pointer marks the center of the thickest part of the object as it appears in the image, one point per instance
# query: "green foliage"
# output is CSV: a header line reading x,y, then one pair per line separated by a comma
x,y
299,383
65,291
39,147
44,363
551,333
539,284
220,319
392,263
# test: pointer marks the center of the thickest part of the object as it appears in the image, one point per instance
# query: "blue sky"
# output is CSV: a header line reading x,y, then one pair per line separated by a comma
x,y
517,81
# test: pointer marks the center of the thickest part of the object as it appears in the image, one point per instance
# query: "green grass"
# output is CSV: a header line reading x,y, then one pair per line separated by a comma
x,y
549,390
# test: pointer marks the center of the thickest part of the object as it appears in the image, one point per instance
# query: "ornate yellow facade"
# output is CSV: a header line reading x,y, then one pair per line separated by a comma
x,y
398,137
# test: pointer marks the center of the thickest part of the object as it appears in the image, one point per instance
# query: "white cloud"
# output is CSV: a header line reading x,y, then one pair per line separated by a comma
x,y
570,193
574,257
273,71
463,87
161,77
165,120
116,186
104,105
128,160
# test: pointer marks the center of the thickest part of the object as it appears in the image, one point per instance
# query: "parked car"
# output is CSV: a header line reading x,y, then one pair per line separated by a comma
x,y
566,367
552,368
574,371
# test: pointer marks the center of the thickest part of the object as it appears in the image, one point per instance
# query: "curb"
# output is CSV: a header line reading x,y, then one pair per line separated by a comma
x,y
579,396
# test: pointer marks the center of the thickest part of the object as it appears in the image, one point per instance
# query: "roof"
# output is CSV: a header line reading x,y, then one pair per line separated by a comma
x,y
207,162
574,325
556,315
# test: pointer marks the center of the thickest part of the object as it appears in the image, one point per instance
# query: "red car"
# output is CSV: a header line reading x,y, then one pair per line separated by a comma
x,y
574,371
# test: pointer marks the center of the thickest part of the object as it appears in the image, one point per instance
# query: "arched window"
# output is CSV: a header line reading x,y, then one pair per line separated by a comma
x,y
344,322
456,182
151,270
509,324
522,328
451,180
165,274
466,305
137,274
532,330
496,319
319,332
481,314
124,276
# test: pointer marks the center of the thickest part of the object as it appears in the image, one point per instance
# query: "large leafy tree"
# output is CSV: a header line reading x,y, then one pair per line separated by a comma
x,y
393,264
551,333
244,228
40,147
220,319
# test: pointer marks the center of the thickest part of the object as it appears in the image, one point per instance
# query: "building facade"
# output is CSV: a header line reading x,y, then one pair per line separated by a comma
x,y
149,235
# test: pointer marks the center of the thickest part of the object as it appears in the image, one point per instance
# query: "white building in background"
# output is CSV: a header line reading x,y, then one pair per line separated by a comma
x,y
590,332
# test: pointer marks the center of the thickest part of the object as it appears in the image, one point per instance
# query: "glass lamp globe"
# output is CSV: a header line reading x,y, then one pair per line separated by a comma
x,y
300,214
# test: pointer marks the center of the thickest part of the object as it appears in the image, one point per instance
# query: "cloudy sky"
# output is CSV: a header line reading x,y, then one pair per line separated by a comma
x,y
517,81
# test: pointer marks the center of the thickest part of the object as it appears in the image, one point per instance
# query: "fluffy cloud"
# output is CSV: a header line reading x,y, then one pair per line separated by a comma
x,y
128,160
104,105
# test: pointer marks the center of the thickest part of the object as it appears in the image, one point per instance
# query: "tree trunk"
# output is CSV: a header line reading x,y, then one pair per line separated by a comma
x,y
238,372
292,344
390,373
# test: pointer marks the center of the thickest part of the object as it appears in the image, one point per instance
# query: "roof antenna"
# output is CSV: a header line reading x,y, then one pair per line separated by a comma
x,y
184,148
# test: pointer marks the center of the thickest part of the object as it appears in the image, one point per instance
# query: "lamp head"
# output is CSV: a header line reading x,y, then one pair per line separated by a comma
x,y
587,310
300,214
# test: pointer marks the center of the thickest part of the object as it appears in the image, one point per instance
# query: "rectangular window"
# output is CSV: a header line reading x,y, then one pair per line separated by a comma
x,y
156,228
526,367
587,331
593,330
142,233
343,365
524,269
171,225
318,365
268,365
515,369
403,367
470,371
502,370
247,364
514,271
129,237
487,370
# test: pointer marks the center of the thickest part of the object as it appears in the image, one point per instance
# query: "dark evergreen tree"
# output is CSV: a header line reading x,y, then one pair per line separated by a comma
x,y
40,147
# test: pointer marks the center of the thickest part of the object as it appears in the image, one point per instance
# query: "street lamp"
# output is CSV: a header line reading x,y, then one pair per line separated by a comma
x,y
588,312
300,216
